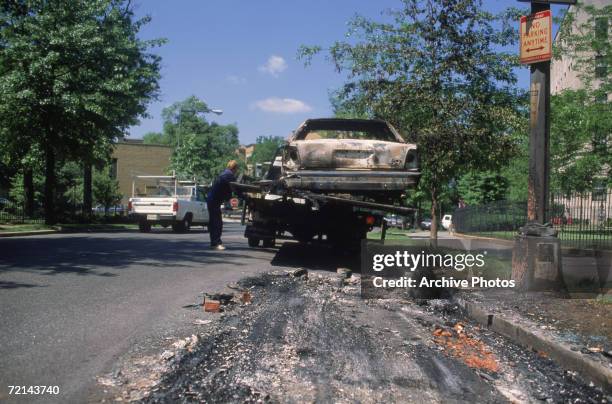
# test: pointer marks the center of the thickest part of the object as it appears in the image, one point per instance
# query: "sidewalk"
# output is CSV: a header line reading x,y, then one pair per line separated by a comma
x,y
577,333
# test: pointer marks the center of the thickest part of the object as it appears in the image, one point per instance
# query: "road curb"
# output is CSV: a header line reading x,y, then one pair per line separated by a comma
x,y
28,233
531,338
491,239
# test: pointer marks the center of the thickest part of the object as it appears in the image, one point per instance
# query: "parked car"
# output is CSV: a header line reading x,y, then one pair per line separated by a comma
x,y
400,222
447,221
349,155
425,224
113,210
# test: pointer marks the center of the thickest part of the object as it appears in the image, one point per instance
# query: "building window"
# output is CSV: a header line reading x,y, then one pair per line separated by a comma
x,y
599,190
601,67
600,143
113,169
601,28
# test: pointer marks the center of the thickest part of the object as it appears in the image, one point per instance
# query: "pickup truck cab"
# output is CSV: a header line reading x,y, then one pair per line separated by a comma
x,y
166,201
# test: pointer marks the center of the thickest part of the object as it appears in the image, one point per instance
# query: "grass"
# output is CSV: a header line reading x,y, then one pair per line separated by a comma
x,y
9,228
98,226
392,234
568,238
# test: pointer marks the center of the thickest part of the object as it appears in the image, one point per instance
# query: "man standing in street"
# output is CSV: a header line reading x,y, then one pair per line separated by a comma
x,y
218,194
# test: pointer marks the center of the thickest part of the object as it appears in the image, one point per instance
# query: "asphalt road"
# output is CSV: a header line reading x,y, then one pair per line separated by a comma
x,y
81,309
71,304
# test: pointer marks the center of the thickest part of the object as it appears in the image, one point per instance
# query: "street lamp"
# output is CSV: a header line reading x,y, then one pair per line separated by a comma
x,y
216,111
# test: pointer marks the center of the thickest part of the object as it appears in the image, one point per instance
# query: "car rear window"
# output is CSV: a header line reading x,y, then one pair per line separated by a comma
x,y
349,134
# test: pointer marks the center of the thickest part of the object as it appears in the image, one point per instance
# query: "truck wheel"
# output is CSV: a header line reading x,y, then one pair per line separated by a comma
x,y
253,242
144,227
269,243
186,224
182,226
303,235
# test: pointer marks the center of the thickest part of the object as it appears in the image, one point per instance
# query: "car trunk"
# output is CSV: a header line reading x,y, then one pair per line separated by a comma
x,y
351,154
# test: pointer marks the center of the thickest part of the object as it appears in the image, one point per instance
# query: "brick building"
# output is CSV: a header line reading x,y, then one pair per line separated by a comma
x,y
564,74
133,157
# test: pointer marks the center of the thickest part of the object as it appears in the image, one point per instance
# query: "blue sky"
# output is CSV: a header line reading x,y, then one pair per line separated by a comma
x,y
240,56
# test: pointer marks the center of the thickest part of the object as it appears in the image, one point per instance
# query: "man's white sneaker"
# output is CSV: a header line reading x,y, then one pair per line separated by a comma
x,y
219,247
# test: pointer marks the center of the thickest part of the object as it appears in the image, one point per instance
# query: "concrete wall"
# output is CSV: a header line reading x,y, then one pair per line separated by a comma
x,y
135,158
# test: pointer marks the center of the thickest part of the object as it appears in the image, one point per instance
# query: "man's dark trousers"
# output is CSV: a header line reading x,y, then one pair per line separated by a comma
x,y
215,222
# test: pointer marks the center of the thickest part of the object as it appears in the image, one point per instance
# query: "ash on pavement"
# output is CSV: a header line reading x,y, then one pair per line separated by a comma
x,y
313,339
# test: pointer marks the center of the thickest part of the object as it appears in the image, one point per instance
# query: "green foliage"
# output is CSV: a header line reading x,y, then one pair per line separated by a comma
x,y
265,149
105,189
581,128
437,72
202,149
588,44
478,188
73,77
580,140
155,138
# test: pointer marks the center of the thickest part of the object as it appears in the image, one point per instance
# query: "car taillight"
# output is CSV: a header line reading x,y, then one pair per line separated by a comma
x,y
370,220
175,206
129,205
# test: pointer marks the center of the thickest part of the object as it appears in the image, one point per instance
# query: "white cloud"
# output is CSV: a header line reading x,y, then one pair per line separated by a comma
x,y
282,105
236,79
274,66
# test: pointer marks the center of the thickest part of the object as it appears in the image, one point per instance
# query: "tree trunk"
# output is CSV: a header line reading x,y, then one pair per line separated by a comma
x,y
433,234
87,200
28,188
49,184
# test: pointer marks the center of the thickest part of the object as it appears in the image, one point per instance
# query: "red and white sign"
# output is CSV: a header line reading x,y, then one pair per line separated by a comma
x,y
234,202
536,37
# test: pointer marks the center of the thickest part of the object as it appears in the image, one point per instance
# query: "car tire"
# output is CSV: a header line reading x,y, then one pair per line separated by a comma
x,y
253,242
186,224
144,227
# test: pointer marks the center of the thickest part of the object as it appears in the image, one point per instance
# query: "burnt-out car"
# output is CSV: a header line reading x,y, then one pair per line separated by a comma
x,y
348,156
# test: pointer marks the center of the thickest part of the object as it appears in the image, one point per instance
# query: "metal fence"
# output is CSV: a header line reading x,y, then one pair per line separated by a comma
x,y
14,213
583,220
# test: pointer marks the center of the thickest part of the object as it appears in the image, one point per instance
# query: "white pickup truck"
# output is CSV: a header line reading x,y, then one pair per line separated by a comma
x,y
166,201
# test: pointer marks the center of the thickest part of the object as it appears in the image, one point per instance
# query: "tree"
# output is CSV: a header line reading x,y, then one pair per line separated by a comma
x,y
477,188
205,155
155,138
105,190
435,71
265,149
581,127
72,73
201,149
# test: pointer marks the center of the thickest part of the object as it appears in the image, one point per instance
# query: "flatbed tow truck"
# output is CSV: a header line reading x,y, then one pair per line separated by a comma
x,y
334,179
305,215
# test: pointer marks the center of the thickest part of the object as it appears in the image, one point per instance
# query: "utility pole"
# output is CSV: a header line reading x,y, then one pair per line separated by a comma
x,y
539,136
536,257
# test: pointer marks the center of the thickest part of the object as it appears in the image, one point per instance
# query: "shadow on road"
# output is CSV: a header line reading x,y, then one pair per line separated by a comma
x,y
17,285
103,254
315,256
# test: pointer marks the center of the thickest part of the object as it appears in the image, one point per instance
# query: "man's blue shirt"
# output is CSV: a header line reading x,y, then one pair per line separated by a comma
x,y
221,190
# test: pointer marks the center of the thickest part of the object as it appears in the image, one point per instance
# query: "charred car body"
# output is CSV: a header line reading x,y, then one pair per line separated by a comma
x,y
334,178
